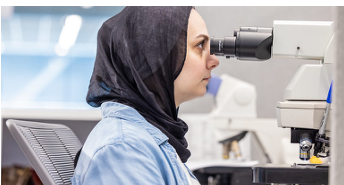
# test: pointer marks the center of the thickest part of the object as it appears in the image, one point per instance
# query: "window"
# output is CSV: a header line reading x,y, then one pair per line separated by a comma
x,y
33,72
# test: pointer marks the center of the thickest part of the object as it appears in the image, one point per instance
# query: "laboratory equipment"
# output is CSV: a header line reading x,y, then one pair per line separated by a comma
x,y
305,96
235,112
248,43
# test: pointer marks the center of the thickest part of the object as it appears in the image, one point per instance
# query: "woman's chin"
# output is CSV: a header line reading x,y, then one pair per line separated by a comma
x,y
202,92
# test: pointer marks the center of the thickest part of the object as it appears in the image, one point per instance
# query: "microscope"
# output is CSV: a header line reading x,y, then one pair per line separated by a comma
x,y
307,97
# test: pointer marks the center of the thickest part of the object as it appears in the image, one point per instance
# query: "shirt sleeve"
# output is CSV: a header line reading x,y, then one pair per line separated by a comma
x,y
122,163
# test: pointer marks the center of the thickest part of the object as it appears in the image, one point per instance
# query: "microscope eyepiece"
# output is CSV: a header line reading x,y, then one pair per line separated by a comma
x,y
223,46
248,43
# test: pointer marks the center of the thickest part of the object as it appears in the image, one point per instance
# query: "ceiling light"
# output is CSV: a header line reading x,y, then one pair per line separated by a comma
x,y
69,33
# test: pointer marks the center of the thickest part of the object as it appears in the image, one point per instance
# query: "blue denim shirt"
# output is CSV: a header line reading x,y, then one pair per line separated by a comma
x,y
123,148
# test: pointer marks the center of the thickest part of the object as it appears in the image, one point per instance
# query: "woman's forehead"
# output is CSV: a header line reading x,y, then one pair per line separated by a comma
x,y
196,24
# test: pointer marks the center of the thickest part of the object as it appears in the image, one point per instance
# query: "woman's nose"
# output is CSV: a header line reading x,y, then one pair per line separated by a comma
x,y
212,62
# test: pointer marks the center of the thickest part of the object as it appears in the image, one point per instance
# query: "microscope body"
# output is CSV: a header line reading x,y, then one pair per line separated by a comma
x,y
305,96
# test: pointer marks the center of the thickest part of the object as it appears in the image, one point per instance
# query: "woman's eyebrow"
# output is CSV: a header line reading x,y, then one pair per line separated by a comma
x,y
206,37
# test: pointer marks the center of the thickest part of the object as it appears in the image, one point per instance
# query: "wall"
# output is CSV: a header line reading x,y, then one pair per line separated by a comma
x,y
337,145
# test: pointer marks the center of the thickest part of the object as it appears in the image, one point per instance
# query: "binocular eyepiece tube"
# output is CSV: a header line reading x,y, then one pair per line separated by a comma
x,y
248,43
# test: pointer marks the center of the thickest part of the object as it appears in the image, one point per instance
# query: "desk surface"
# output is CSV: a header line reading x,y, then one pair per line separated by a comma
x,y
286,174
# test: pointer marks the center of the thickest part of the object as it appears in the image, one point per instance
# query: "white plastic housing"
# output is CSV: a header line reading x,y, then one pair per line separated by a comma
x,y
311,37
235,99
310,82
301,114
309,86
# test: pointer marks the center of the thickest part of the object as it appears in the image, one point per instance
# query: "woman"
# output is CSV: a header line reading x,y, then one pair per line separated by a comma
x,y
149,61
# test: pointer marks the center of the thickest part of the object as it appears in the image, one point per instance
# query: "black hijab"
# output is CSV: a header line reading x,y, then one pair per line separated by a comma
x,y
140,52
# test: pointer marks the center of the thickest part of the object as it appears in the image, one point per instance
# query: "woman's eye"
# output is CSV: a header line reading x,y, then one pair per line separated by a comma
x,y
200,45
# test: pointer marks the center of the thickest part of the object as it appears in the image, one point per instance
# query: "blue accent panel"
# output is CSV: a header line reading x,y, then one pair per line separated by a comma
x,y
329,95
213,85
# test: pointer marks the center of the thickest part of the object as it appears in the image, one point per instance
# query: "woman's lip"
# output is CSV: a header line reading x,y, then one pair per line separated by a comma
x,y
207,78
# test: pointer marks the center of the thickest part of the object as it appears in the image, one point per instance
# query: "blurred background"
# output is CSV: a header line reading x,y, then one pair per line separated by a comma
x,y
47,62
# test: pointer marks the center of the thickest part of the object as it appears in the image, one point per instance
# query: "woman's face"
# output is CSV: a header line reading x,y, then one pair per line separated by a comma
x,y
196,72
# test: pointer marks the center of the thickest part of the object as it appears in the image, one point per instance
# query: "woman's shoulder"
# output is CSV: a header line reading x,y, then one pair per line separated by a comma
x,y
124,123
118,139
130,131
114,130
